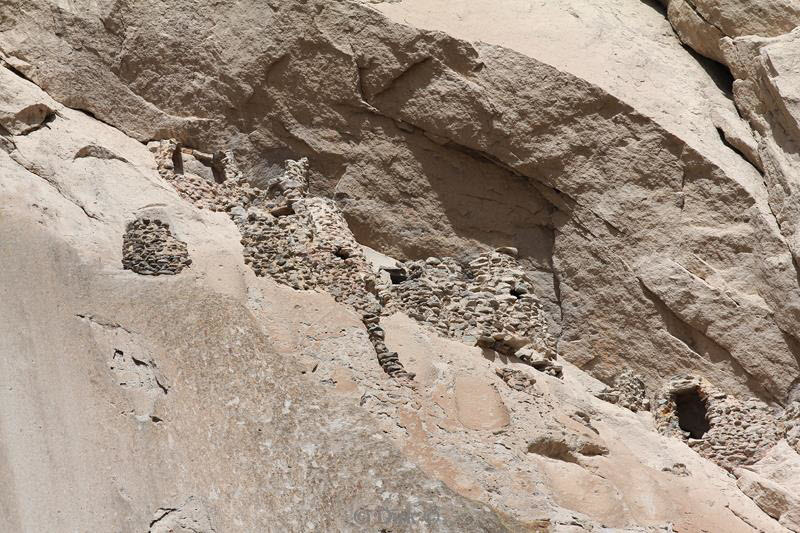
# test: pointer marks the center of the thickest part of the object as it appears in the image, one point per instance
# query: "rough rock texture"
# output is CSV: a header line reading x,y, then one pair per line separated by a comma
x,y
585,187
734,432
702,24
231,431
432,284
628,391
149,248
773,484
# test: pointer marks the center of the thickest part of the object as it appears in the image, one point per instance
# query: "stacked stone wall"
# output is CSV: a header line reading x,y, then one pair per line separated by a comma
x,y
149,248
304,242
740,431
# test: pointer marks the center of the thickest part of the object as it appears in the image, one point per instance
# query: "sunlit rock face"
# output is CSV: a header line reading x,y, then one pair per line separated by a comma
x,y
412,266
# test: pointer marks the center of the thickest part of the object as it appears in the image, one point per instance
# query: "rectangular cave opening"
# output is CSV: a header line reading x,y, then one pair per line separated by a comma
x,y
177,160
692,413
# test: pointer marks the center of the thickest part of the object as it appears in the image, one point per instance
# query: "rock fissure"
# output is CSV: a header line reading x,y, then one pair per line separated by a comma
x,y
55,184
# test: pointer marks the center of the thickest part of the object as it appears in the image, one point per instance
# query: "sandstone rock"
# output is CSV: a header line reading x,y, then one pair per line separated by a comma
x,y
23,108
694,30
734,18
234,419
718,316
703,24
545,207
612,190
565,446
479,405
772,498
190,516
738,134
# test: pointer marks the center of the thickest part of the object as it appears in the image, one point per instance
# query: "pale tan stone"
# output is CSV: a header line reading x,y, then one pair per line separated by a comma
x,y
478,404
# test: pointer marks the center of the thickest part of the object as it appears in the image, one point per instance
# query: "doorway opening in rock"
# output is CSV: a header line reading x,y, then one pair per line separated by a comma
x,y
177,160
692,413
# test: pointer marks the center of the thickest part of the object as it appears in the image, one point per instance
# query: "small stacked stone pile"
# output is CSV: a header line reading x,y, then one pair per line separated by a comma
x,y
628,392
488,302
389,361
740,432
149,248
517,379
791,421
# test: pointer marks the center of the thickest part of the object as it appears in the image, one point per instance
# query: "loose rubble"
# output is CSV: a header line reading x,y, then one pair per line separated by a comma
x,y
150,249
517,379
791,421
628,391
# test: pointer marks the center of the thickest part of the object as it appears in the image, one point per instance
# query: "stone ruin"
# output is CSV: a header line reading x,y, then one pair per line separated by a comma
x,y
304,242
150,249
628,391
488,302
721,428
221,189
724,429
791,422
308,249
299,241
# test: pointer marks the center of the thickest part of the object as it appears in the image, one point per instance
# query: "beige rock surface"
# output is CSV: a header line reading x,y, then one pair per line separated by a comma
x,y
559,168
134,402
773,483
208,397
625,47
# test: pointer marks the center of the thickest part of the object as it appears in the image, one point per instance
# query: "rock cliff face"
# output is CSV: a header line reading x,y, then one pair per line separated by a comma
x,y
424,265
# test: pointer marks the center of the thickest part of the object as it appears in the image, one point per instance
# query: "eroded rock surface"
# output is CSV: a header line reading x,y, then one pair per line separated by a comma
x,y
404,262
392,155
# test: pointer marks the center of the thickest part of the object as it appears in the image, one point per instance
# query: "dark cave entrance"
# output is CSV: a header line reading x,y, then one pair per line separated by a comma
x,y
692,413
177,160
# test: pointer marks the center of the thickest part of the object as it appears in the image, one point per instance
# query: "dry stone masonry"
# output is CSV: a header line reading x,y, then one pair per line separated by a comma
x,y
304,242
149,248
487,301
203,192
664,228
300,241
720,427
791,420
389,361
